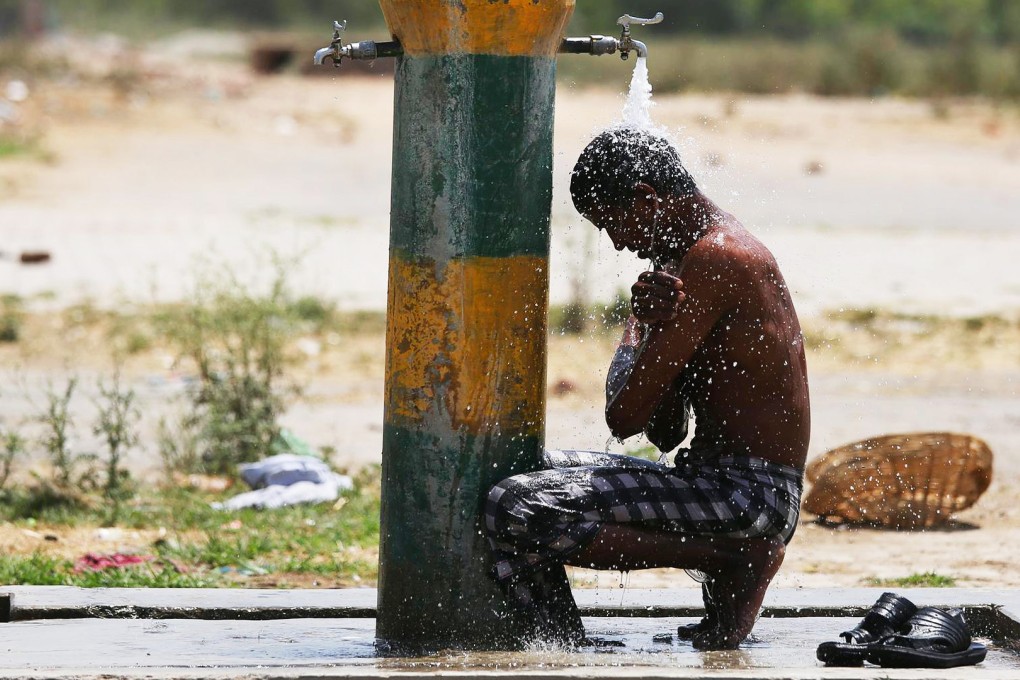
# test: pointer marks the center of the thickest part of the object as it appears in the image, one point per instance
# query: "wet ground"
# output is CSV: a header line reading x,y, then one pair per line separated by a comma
x,y
326,646
64,632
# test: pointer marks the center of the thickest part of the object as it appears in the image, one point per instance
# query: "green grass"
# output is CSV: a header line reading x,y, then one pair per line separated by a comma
x,y
858,334
928,579
40,570
208,547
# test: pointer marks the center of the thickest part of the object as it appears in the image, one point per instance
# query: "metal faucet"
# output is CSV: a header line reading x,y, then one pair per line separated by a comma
x,y
626,42
365,50
600,44
335,49
593,44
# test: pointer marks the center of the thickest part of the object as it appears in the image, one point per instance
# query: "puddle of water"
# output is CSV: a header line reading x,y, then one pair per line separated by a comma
x,y
337,643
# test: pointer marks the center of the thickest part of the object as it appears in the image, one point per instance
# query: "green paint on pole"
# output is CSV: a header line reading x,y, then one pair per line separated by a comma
x,y
472,156
434,587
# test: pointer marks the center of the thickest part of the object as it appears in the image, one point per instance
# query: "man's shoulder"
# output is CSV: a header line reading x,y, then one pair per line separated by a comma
x,y
728,251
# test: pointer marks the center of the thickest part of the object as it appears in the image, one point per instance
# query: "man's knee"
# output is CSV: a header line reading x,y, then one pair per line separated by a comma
x,y
519,508
504,505
764,552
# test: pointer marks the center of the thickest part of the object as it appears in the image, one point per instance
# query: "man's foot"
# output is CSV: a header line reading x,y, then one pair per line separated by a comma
x,y
737,592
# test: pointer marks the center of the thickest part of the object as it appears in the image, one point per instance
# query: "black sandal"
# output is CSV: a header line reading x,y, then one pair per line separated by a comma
x,y
887,616
931,639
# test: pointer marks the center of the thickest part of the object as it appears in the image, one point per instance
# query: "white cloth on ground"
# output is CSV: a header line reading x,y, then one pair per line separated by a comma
x,y
284,469
287,479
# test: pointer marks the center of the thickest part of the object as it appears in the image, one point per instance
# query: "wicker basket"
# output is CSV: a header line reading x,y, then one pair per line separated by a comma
x,y
902,481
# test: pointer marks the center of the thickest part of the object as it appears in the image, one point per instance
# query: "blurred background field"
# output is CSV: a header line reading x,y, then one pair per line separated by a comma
x,y
201,190
829,47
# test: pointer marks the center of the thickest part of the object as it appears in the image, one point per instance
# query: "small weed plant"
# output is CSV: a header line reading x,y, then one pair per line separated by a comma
x,y
77,480
116,425
236,341
69,467
12,446
179,440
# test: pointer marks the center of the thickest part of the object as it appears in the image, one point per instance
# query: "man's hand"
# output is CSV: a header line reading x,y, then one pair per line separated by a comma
x,y
656,296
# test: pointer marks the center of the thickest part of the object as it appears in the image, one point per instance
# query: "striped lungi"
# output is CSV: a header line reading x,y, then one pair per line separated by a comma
x,y
539,518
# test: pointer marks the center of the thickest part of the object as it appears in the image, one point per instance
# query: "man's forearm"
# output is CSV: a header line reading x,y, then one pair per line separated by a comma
x,y
620,370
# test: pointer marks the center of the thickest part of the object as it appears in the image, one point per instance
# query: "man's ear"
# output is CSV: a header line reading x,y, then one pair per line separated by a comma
x,y
645,195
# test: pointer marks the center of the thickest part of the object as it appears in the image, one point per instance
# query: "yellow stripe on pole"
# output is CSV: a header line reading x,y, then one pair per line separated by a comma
x,y
467,344
500,27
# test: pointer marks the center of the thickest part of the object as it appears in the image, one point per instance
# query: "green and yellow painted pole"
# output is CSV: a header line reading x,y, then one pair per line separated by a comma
x,y
468,297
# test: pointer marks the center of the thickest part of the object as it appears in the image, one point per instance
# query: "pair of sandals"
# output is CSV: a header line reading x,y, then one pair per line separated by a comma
x,y
896,634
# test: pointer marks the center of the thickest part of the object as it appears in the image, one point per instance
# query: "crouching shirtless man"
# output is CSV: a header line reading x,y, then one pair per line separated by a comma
x,y
714,331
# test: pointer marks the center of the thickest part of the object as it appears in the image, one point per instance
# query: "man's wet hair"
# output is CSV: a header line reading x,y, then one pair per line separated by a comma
x,y
617,159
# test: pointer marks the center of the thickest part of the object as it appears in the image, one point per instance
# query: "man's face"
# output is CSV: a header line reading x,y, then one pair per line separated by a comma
x,y
630,227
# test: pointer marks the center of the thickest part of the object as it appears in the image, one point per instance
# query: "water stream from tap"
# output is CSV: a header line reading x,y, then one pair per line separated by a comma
x,y
637,110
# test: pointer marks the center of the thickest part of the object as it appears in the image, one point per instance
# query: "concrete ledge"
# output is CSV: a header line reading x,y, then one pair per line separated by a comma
x,y
27,603
995,613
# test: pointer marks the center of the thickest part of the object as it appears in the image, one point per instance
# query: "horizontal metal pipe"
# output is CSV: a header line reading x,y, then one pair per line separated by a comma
x,y
593,44
367,50
370,49
390,48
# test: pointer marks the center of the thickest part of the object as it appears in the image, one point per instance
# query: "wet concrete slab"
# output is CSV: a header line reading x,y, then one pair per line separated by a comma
x,y
344,646
329,648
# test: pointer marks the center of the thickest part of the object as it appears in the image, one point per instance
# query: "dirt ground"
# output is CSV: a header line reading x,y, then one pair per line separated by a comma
x,y
155,162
